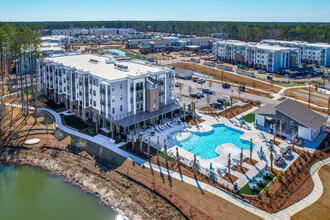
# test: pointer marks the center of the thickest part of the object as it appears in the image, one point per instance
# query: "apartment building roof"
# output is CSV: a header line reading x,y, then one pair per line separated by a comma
x,y
325,45
107,67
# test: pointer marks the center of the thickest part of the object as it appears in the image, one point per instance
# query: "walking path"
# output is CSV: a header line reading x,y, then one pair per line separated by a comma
x,y
311,198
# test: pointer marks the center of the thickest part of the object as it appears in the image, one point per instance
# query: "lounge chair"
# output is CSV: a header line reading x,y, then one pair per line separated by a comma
x,y
279,161
286,153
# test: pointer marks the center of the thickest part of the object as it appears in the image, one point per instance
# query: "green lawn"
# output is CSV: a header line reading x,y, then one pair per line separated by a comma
x,y
246,190
290,85
75,122
249,118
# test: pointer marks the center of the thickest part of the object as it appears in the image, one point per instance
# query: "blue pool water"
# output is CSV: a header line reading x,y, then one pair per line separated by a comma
x,y
202,75
119,52
204,144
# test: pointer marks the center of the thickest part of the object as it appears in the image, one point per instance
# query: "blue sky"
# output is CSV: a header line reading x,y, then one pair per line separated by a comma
x,y
201,10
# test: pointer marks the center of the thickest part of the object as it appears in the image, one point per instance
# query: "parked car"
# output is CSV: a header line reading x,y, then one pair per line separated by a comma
x,y
225,85
261,71
201,81
195,79
242,88
177,84
221,100
195,95
217,105
207,91
201,94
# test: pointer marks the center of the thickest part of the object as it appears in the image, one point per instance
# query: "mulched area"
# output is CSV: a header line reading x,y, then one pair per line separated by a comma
x,y
230,178
243,170
251,162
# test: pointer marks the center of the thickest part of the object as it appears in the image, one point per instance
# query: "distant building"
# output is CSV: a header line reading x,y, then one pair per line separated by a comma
x,y
310,53
260,56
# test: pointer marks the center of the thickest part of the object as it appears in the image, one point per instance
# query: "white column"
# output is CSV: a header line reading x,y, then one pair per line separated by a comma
x,y
134,97
144,95
106,101
129,95
166,78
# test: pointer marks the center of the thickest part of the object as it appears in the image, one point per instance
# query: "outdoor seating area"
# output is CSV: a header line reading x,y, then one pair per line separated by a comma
x,y
241,124
286,153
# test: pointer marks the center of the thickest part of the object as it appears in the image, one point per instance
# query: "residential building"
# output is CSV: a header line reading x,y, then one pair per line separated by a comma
x,y
310,53
293,118
110,92
260,56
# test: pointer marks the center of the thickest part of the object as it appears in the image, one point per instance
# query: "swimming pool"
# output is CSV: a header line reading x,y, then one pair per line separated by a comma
x,y
202,75
205,144
119,52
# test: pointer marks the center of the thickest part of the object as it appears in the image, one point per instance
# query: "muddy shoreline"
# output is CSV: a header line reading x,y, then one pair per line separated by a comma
x,y
115,193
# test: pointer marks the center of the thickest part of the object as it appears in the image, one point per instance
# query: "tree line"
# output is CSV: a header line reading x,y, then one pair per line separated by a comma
x,y
245,31
18,43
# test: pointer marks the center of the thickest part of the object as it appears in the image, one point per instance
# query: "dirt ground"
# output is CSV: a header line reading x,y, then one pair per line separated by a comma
x,y
321,208
229,77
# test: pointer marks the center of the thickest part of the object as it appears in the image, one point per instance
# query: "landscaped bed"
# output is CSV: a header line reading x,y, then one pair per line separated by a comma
x,y
75,122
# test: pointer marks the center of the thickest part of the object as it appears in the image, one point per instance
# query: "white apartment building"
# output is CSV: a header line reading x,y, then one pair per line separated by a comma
x,y
94,31
310,53
114,93
266,57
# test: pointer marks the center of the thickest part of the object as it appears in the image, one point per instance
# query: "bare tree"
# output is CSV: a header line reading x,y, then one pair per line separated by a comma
x,y
180,88
251,149
210,84
82,145
189,89
208,98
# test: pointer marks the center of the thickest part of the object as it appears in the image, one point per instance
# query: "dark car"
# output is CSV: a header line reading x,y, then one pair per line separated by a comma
x,y
207,91
195,95
201,94
176,84
225,85
222,100
195,79
242,88
217,105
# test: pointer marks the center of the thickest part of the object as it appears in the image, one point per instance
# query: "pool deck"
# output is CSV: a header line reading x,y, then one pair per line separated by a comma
x,y
219,164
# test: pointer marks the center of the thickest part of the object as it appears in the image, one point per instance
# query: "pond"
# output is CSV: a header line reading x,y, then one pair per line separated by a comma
x,y
31,193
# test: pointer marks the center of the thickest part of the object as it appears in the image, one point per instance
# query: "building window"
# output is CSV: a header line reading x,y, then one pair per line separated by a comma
x,y
154,105
94,103
121,108
90,101
113,110
94,93
121,85
113,87
121,97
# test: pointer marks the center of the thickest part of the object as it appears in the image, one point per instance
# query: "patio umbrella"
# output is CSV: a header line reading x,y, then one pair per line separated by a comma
x,y
270,141
254,180
259,175
152,129
266,168
260,149
271,127
211,166
242,118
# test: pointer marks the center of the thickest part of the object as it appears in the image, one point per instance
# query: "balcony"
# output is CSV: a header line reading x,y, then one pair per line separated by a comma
x,y
139,99
161,93
102,91
139,88
102,102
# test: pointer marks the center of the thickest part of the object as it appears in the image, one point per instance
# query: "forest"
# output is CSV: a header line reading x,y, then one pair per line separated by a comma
x,y
245,31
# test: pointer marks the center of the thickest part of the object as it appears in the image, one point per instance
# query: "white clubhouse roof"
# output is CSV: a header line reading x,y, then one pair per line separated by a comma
x,y
107,67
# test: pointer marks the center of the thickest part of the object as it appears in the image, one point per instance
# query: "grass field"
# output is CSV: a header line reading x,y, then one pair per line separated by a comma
x,y
290,85
249,118
246,190
75,122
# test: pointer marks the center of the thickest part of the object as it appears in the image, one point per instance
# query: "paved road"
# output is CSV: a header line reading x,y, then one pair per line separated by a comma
x,y
220,93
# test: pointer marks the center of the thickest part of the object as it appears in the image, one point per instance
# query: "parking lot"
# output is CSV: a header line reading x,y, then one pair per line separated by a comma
x,y
219,92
